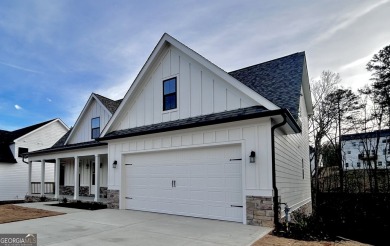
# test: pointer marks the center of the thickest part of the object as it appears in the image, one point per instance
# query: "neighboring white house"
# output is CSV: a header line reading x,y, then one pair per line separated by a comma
x,y
360,148
191,139
13,171
89,176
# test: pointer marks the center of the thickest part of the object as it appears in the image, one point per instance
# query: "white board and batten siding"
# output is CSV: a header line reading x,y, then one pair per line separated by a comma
x,y
199,92
14,177
248,135
82,131
293,164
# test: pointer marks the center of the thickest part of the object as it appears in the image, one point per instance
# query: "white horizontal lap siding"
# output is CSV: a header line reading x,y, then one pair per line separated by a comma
x,y
13,181
199,92
82,131
290,150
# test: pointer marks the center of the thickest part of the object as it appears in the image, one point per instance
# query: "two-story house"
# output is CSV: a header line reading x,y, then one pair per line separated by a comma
x,y
360,150
192,139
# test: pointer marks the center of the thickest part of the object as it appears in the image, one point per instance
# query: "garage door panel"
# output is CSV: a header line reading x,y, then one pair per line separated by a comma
x,y
207,182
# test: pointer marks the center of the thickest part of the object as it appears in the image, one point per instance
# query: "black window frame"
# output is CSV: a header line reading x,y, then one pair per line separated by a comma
x,y
95,128
20,153
165,107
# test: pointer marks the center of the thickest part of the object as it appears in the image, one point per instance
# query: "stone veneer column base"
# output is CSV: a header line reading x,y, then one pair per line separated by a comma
x,y
113,199
259,211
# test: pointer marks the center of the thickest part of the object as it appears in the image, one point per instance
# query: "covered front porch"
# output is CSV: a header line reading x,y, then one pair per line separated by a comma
x,y
78,175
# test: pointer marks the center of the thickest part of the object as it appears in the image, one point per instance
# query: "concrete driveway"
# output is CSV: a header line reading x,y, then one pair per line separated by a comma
x,y
125,227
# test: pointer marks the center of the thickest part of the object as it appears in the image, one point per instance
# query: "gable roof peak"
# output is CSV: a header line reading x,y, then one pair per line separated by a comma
x,y
110,104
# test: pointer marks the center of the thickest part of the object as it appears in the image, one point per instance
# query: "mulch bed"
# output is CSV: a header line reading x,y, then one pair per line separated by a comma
x,y
81,205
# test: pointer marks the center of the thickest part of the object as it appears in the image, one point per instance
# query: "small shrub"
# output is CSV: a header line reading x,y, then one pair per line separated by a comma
x,y
64,200
305,227
43,198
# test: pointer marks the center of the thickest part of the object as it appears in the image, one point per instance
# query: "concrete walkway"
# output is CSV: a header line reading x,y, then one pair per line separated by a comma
x,y
126,227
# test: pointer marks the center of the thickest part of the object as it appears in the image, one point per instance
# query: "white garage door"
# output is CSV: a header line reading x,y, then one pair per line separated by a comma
x,y
198,182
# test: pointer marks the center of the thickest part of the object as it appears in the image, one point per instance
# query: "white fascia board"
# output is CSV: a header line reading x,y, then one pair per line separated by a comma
x,y
156,51
49,123
306,89
167,40
83,112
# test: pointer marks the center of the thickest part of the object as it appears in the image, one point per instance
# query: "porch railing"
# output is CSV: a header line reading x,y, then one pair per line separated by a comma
x,y
36,187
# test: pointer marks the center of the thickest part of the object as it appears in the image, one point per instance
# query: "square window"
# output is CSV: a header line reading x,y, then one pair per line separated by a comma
x,y
379,163
387,163
22,151
95,127
358,164
169,94
348,152
346,164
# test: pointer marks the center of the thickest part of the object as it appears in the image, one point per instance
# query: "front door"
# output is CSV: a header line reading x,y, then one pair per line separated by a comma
x,y
92,189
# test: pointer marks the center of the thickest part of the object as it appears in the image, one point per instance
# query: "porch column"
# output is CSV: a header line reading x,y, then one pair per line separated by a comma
x,y
76,178
57,179
42,177
97,178
29,177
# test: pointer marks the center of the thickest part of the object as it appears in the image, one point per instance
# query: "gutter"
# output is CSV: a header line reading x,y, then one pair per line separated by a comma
x,y
276,193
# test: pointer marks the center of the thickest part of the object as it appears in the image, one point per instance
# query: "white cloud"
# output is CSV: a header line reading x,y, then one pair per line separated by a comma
x,y
49,100
349,20
20,68
18,107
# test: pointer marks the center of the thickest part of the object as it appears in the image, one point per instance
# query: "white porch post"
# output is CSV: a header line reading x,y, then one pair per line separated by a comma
x,y
42,177
97,178
57,179
29,177
76,178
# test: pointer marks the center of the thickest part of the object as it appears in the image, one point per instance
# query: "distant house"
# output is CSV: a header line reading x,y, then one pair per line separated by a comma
x,y
81,161
191,139
13,144
362,148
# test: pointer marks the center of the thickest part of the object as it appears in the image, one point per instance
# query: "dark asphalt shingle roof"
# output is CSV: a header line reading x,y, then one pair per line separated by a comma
x,y
203,120
62,140
111,105
82,145
366,135
279,80
8,137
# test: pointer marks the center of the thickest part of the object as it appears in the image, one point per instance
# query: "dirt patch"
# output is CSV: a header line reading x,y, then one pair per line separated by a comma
x,y
12,213
270,240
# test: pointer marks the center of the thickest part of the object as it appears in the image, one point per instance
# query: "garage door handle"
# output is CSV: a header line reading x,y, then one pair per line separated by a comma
x,y
173,183
235,206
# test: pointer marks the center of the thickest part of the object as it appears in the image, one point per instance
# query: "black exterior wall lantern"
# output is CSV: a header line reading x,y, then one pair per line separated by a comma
x,y
252,157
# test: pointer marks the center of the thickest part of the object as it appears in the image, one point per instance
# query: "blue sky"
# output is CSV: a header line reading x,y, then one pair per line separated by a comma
x,y
54,54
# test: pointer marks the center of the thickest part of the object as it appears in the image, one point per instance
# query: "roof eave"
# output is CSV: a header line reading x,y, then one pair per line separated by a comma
x,y
290,120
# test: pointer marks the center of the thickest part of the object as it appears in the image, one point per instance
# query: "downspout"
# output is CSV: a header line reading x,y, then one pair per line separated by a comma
x,y
276,194
23,159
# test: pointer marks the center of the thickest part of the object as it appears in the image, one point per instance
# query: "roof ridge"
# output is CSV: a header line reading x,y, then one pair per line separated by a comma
x,y
261,63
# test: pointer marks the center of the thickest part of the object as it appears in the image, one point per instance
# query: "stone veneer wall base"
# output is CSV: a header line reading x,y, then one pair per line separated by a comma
x,y
113,199
259,211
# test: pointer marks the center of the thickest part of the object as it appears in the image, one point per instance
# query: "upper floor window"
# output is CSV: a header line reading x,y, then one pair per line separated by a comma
x,y
348,152
95,127
22,151
169,94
